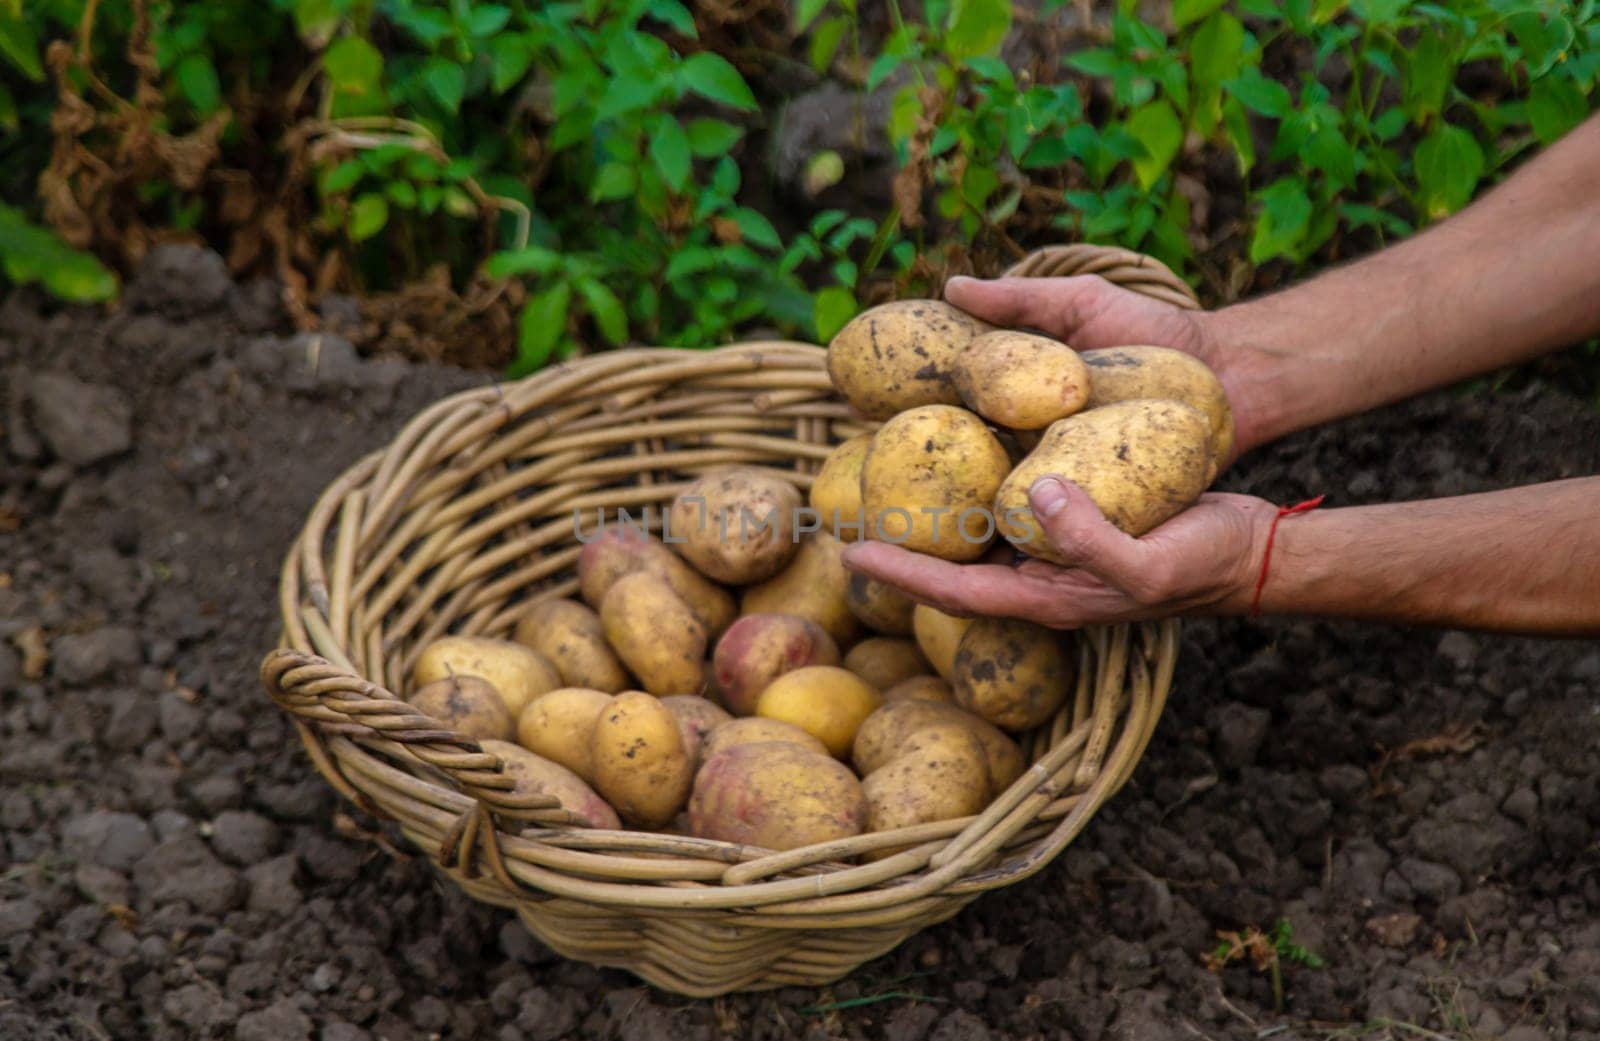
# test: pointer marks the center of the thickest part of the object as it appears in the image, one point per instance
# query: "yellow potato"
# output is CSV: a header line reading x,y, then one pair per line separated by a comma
x,y
887,730
836,491
900,355
1013,674
735,525
518,673
640,764
1126,373
1141,462
656,634
468,705
753,730
938,635
929,480
570,635
812,586
622,550
696,718
759,648
884,661
880,606
920,688
560,726
1020,380
825,701
534,773
776,796
939,774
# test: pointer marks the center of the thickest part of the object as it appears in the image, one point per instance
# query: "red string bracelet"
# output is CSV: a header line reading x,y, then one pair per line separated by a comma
x,y
1272,534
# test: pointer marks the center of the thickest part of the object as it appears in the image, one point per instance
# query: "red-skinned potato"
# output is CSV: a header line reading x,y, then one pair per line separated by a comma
x,y
759,648
776,796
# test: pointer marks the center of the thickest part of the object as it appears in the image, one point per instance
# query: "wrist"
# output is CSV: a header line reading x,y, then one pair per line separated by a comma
x,y
1248,375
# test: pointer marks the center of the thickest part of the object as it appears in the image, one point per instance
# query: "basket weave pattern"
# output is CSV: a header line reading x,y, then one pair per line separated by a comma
x,y
467,518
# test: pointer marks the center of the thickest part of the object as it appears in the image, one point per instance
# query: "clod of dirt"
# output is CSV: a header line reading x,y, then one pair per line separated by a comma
x,y
82,423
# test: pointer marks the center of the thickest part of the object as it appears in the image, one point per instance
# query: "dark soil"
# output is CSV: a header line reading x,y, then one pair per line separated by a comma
x,y
171,866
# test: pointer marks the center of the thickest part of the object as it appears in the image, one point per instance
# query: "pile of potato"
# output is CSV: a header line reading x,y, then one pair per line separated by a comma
x,y
734,681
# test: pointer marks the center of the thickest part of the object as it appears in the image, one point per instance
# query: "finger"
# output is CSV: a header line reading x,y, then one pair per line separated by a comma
x,y
1083,537
965,589
1053,305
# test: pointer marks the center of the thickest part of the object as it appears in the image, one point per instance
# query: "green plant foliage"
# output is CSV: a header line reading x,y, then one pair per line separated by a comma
x,y
31,254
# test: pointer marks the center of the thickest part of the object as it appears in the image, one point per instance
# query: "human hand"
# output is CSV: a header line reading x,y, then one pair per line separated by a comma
x,y
1204,560
1089,313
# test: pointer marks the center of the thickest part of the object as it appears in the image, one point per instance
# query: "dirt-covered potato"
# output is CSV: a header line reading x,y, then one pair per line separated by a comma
x,y
1141,462
621,550
836,491
1126,373
1020,380
518,673
696,718
1014,674
901,355
921,688
570,635
560,726
881,607
759,648
884,661
825,701
640,764
754,730
929,480
812,586
735,525
887,730
777,796
938,634
656,634
469,704
534,773
939,774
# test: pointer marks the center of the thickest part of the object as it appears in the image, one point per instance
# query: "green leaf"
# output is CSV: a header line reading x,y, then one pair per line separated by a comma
x,y
1448,163
197,78
447,82
510,57
1541,41
1158,128
1379,12
530,260
542,325
825,42
488,19
1237,123
675,16
882,68
712,137
19,45
669,149
353,65
1389,125
1555,106
1430,69
806,12
1217,49
834,307
614,181
1285,218
1185,12
336,180
625,94
712,77
79,278
402,193
1261,95
976,27
756,229
605,309
317,20
1100,61
368,214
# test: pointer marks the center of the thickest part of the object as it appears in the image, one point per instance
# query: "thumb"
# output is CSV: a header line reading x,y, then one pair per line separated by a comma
x,y
1080,533
1052,305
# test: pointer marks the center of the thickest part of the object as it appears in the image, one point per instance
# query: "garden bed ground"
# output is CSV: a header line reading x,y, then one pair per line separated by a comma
x,y
1421,806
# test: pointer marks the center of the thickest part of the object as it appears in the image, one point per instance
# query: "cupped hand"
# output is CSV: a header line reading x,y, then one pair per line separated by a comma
x,y
1204,560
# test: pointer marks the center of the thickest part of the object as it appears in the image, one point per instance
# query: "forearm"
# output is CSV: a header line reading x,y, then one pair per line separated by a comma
x,y
1524,560
1508,278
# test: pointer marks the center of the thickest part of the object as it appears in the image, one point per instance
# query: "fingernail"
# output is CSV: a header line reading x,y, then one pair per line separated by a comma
x,y
1048,496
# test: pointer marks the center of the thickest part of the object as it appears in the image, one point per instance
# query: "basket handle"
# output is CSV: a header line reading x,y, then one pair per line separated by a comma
x,y
327,700
1123,267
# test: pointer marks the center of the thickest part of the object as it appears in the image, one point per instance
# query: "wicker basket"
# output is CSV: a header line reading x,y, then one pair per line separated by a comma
x,y
467,518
